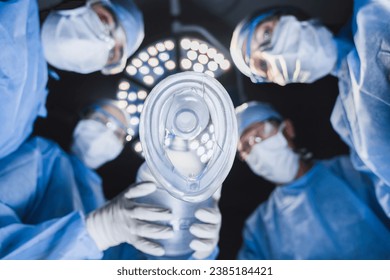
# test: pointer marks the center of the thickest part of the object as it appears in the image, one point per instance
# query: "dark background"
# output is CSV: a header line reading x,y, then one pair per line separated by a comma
x,y
308,105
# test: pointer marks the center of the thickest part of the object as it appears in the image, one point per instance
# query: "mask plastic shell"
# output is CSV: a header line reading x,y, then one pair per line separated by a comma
x,y
183,106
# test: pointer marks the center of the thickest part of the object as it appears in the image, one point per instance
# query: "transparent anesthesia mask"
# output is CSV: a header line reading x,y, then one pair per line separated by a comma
x,y
188,133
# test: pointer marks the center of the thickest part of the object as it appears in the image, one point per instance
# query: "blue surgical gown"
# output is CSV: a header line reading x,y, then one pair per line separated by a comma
x,y
44,195
329,213
362,111
23,73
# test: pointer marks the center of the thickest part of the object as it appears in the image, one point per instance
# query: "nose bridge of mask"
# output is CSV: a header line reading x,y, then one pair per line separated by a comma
x,y
187,133
276,141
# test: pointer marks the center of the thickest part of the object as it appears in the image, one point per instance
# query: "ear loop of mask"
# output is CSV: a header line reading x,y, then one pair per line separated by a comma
x,y
283,66
298,75
277,75
297,70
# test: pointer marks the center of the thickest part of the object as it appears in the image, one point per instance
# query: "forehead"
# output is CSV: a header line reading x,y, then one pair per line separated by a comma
x,y
253,128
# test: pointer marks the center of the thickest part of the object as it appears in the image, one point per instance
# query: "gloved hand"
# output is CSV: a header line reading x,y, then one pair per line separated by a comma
x,y
207,232
122,220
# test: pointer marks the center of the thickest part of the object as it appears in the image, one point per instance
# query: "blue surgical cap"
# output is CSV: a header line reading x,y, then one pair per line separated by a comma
x,y
253,112
132,22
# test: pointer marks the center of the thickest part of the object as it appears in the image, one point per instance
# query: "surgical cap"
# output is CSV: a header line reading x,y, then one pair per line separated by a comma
x,y
132,22
253,112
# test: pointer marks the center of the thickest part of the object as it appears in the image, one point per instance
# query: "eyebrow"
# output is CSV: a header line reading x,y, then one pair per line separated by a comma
x,y
252,26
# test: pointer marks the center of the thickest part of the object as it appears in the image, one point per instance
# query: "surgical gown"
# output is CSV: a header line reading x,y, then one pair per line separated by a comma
x,y
362,111
329,213
44,195
23,73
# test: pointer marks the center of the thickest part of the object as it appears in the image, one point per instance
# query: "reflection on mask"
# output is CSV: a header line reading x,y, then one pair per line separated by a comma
x,y
190,157
188,132
274,160
301,51
95,144
76,40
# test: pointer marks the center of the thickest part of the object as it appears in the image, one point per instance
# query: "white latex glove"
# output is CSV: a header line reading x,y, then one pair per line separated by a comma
x,y
207,232
122,220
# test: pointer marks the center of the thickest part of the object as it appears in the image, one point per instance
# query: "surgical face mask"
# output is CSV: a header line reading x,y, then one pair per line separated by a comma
x,y
95,144
274,160
300,52
76,40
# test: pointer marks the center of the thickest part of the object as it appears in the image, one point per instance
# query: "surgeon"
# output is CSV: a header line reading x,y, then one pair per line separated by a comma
x,y
278,46
98,36
51,204
100,135
319,209
52,207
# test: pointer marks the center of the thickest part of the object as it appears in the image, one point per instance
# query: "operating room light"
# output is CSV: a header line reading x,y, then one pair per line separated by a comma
x,y
142,94
202,57
131,109
211,74
143,56
152,51
148,80
169,45
121,94
153,63
131,70
124,85
158,70
186,63
138,147
163,56
131,98
144,70
192,55
185,44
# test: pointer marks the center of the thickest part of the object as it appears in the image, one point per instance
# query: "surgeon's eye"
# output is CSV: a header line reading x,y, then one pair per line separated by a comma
x,y
111,55
267,36
262,65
